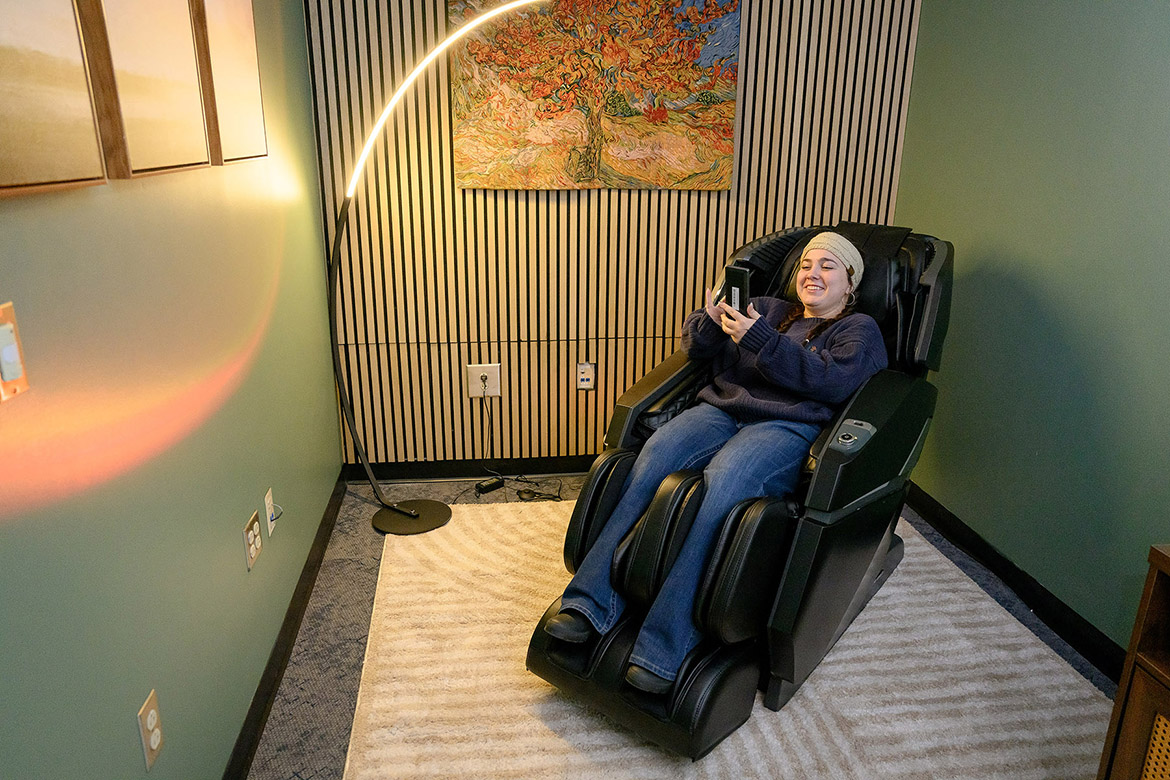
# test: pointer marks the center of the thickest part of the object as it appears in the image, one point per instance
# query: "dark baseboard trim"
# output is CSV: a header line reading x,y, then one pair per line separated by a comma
x,y
1097,648
469,469
249,738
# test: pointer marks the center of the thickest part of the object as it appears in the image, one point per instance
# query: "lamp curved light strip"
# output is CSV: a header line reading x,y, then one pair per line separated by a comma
x,y
417,515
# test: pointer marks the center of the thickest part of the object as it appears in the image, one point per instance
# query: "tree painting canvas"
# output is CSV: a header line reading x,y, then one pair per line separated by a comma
x,y
583,94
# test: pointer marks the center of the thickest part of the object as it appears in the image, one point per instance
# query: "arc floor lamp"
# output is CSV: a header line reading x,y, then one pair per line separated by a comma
x,y
416,515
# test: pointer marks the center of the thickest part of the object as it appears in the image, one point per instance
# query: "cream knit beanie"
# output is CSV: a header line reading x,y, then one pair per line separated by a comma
x,y
841,248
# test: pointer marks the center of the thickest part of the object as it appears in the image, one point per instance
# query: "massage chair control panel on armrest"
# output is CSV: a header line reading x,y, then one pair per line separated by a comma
x,y
852,435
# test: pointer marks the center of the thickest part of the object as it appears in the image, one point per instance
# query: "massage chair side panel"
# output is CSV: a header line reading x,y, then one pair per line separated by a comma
x,y
832,571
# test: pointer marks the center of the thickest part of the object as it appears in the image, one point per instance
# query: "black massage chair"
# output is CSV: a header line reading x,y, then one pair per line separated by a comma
x,y
787,574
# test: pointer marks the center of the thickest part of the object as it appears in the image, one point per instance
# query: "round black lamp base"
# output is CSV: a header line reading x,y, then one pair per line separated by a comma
x,y
431,515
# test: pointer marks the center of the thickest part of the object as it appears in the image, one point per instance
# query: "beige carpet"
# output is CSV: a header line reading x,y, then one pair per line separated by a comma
x,y
933,680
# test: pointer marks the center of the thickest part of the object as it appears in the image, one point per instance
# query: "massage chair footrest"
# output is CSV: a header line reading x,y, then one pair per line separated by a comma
x,y
713,696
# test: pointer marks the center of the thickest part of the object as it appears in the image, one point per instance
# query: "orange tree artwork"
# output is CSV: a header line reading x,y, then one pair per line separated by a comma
x,y
574,94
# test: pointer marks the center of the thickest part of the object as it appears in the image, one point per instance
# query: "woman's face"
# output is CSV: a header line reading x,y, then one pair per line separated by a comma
x,y
822,283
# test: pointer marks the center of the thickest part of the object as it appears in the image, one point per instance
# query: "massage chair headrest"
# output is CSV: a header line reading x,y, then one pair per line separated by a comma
x,y
881,250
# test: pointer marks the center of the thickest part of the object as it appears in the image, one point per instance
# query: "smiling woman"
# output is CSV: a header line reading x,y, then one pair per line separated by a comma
x,y
830,271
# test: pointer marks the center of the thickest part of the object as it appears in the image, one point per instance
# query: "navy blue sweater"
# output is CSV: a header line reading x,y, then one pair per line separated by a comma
x,y
775,376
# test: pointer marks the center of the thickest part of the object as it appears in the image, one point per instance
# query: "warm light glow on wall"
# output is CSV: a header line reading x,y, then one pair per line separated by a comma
x,y
59,441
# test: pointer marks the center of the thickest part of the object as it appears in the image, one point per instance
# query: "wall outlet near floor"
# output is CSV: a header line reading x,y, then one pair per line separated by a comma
x,y
150,729
252,540
483,379
270,512
586,376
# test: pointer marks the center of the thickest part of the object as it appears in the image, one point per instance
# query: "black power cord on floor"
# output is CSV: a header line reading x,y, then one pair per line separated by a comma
x,y
530,494
533,490
497,480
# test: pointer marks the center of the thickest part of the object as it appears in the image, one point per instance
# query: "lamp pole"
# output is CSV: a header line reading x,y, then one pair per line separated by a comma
x,y
416,515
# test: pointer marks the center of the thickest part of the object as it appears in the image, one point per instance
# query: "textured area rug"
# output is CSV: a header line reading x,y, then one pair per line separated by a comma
x,y
933,679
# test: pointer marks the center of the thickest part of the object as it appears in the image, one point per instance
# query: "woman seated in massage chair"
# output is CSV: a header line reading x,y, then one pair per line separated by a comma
x,y
781,370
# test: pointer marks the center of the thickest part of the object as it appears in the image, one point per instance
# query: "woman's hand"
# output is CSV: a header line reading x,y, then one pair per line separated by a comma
x,y
713,310
735,324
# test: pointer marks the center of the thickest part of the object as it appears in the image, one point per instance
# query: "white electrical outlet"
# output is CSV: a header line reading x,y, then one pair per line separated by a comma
x,y
483,379
252,540
150,729
586,376
270,512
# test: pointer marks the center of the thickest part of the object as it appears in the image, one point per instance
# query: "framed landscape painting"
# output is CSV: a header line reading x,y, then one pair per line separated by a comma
x,y
577,94
141,55
48,132
225,38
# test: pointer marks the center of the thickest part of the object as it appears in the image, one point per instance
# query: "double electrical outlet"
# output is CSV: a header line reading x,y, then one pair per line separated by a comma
x,y
253,539
150,729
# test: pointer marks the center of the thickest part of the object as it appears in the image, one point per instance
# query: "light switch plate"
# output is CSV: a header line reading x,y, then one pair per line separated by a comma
x,y
13,376
270,512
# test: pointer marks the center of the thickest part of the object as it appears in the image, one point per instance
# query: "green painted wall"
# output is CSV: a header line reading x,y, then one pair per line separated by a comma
x,y
1038,141
177,344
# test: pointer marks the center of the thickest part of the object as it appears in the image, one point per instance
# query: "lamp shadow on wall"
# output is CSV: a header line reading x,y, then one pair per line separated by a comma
x,y
1023,427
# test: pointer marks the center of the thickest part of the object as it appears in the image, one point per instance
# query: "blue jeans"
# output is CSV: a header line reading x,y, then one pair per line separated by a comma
x,y
739,461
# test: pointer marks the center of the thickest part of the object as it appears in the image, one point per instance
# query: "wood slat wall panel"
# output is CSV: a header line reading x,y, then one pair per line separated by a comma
x,y
434,278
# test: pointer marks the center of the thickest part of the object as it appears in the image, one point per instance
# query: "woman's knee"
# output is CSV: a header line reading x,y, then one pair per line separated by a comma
x,y
687,441
756,470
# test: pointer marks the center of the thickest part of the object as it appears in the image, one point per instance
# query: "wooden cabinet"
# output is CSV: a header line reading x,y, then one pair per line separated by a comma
x,y
1137,744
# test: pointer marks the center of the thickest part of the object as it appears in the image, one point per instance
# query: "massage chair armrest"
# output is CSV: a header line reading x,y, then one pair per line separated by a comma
x,y
872,444
747,561
662,393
